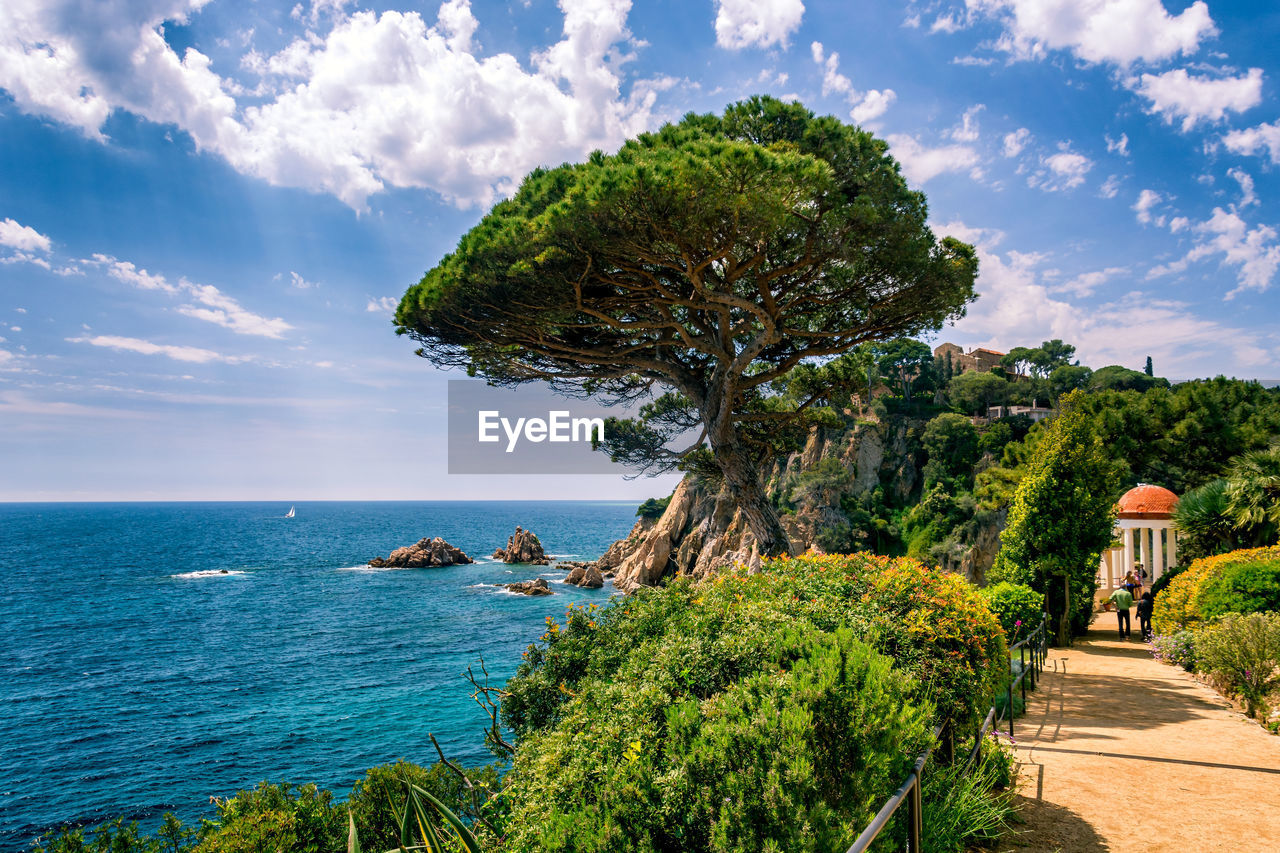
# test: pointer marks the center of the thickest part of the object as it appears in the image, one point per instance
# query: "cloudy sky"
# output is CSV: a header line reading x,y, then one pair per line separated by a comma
x,y
209,207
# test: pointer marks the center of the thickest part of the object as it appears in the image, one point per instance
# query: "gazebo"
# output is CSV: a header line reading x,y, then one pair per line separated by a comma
x,y
1144,526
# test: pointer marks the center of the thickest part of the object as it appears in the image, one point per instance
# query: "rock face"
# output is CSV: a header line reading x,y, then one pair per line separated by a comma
x,y
424,554
522,547
701,532
537,586
585,575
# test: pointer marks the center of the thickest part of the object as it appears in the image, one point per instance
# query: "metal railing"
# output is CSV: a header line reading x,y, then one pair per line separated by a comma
x,y
1032,651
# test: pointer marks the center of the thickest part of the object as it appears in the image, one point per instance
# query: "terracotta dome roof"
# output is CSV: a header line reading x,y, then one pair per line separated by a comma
x,y
1147,501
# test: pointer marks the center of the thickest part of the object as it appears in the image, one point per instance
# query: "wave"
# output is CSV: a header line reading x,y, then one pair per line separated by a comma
x,y
366,568
208,573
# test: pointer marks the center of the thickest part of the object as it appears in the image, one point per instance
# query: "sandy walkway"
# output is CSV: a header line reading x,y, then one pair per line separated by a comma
x,y
1122,753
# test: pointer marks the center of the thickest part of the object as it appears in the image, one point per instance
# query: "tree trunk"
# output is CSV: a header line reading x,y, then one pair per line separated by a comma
x,y
742,479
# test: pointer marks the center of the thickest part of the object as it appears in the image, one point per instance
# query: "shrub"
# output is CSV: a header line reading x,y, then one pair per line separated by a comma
x,y
1018,607
972,808
636,721
794,756
276,817
1178,607
653,507
1242,588
1177,648
380,795
1243,650
117,836
1166,578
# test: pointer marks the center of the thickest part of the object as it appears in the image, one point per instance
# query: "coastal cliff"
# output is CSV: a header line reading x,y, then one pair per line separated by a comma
x,y
847,489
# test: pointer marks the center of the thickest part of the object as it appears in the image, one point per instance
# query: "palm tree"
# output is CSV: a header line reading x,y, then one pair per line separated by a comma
x,y
1253,492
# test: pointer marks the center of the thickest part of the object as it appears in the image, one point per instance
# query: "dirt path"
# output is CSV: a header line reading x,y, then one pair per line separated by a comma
x,y
1122,753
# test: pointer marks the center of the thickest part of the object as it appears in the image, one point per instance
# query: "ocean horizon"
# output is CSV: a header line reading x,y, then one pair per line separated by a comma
x,y
165,652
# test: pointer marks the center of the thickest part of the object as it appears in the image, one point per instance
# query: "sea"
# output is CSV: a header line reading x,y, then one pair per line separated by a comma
x,y
155,655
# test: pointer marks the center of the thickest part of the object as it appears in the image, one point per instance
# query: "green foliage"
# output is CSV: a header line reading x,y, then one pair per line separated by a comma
x,y
653,507
974,391
1204,528
117,836
1061,518
823,484
276,817
1250,587
1017,606
1113,377
951,442
907,364
638,720
377,801
1253,493
969,808
1244,652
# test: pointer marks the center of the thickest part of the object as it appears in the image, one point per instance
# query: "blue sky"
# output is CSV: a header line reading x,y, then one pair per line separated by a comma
x,y
208,207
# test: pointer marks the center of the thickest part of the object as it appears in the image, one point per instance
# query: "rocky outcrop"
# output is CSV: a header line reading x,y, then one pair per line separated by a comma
x,y
585,575
523,547
537,586
425,553
623,548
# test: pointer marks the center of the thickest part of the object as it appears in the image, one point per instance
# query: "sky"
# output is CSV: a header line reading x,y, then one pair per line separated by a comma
x,y
209,208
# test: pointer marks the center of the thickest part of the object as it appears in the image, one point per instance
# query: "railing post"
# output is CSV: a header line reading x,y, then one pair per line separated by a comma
x,y
1008,696
915,821
1022,674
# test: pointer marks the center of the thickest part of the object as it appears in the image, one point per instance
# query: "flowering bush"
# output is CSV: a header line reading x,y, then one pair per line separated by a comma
x,y
1180,605
1244,652
1177,649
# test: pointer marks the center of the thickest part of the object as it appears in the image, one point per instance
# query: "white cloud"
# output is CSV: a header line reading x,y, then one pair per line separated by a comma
x,y
1247,194
377,100
866,106
920,164
177,353
212,305
1064,170
22,237
967,130
222,310
382,305
1016,308
1099,31
127,272
947,24
299,282
1086,283
1016,141
1147,199
1254,252
1255,139
1110,187
1118,146
756,23
1176,94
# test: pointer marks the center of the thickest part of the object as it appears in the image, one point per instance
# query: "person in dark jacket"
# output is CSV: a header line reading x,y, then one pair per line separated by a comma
x,y
1145,604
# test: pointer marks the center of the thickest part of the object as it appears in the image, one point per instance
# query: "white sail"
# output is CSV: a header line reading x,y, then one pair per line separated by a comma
x,y
290,515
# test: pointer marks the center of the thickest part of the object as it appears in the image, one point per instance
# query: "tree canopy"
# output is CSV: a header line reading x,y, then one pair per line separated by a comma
x,y
704,261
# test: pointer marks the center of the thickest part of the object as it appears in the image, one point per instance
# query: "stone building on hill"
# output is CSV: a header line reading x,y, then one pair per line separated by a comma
x,y
980,359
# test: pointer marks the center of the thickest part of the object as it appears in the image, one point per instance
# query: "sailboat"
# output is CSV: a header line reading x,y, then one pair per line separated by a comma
x,y
290,513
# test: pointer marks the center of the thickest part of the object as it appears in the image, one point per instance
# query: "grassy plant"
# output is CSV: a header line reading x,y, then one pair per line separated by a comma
x,y
968,808
1245,652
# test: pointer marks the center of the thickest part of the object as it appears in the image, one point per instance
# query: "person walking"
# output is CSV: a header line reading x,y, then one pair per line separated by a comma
x,y
1145,605
1123,600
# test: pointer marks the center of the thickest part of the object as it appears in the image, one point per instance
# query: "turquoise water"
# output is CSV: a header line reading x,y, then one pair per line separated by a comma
x,y
137,678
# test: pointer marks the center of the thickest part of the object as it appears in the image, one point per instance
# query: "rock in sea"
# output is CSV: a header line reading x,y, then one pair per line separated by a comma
x,y
537,586
585,575
523,547
424,554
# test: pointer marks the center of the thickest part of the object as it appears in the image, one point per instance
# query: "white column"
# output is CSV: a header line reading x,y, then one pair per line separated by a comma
x,y
1157,551
1143,548
1126,564
1173,547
